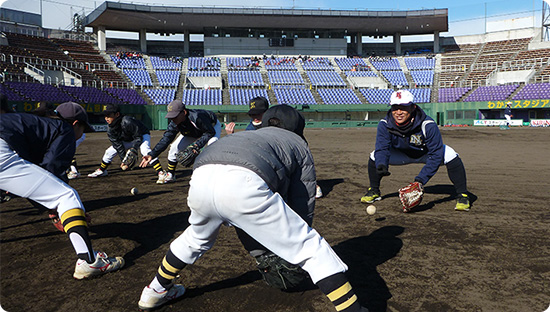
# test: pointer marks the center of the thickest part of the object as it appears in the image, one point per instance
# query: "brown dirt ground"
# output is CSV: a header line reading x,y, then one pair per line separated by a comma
x,y
493,258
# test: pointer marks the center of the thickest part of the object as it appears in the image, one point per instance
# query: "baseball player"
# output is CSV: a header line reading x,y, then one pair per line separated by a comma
x,y
127,135
257,107
47,109
197,127
37,172
508,114
407,135
272,170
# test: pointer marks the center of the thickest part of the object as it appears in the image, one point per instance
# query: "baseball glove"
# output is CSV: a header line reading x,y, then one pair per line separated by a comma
x,y
188,155
279,273
130,160
411,195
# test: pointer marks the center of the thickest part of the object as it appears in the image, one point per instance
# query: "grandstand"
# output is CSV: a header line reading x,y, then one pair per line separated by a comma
x,y
467,74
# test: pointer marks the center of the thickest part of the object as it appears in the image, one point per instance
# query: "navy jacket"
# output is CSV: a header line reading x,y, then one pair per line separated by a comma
x,y
508,111
251,126
126,129
48,143
421,138
199,124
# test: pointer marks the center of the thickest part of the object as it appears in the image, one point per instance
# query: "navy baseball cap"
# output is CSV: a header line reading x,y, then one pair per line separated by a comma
x,y
174,109
71,111
258,105
286,117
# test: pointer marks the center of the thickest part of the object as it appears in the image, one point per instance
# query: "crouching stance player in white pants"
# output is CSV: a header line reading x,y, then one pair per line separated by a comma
x,y
271,170
36,172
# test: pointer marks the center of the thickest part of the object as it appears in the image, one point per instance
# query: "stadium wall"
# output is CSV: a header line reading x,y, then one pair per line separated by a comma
x,y
216,46
326,116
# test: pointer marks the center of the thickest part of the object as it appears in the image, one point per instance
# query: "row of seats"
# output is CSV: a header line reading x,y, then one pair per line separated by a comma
x,y
24,91
202,97
423,77
382,96
451,94
293,96
491,93
159,63
245,79
338,96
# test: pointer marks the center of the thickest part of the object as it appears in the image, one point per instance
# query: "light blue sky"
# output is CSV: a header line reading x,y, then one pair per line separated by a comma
x,y
465,16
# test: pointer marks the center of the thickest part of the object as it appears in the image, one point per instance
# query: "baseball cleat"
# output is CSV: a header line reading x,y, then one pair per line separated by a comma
x,y
73,175
169,177
462,203
150,299
162,176
103,264
98,173
371,196
318,192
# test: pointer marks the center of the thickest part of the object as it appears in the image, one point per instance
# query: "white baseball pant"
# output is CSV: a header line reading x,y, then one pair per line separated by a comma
x,y
144,149
248,203
181,142
25,179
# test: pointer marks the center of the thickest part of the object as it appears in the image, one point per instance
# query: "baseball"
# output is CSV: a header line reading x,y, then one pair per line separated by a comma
x,y
371,209
134,191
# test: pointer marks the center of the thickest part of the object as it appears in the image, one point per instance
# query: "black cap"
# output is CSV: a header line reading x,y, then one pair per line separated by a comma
x,y
111,109
258,105
71,111
174,109
286,117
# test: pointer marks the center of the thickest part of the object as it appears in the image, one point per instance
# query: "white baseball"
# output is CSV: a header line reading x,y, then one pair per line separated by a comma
x,y
134,191
371,209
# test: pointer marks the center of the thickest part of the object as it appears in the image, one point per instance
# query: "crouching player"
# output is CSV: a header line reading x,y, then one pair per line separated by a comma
x,y
37,172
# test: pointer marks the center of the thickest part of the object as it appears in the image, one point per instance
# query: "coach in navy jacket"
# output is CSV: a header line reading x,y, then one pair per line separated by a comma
x,y
407,135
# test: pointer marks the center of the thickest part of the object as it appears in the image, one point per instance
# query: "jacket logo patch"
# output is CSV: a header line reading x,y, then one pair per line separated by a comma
x,y
416,139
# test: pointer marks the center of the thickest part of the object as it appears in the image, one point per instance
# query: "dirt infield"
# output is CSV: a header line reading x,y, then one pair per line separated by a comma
x,y
494,258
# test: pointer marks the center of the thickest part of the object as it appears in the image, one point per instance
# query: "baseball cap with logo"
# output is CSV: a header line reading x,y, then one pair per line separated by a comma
x,y
401,97
258,105
174,109
71,111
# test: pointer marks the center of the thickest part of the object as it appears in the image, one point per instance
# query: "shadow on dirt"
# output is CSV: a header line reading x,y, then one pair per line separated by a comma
x,y
328,184
362,255
150,234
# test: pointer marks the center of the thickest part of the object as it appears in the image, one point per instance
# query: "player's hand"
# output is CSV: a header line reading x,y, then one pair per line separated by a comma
x,y
230,128
382,171
124,167
145,161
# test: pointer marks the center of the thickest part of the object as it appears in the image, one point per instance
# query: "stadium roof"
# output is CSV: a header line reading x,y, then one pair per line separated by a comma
x,y
163,19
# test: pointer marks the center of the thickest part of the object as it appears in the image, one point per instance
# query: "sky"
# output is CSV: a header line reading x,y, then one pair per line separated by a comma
x,y
465,16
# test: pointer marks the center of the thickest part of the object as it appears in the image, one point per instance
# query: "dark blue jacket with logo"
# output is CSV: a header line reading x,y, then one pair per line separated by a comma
x,y
416,140
48,143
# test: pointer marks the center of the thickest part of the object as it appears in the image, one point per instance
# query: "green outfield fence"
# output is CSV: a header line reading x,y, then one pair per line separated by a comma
x,y
337,116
